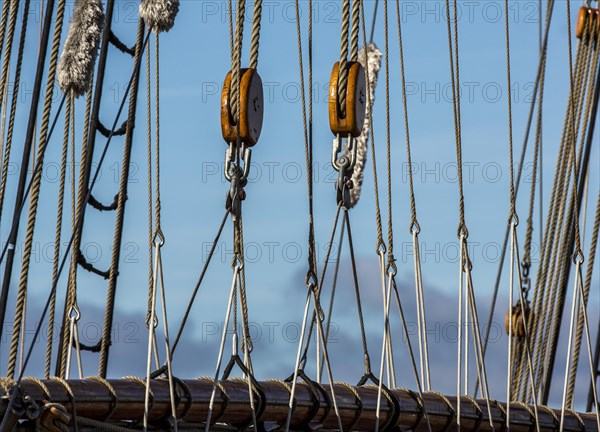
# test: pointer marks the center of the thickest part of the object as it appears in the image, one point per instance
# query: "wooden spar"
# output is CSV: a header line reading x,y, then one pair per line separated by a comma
x,y
123,400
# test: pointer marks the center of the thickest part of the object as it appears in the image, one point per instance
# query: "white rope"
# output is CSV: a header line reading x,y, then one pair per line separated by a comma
x,y
459,330
386,332
517,260
236,270
297,365
247,364
166,331
74,316
422,325
510,360
578,303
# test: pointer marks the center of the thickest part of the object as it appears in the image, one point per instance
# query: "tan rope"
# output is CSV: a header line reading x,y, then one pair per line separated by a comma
x,y
35,190
6,150
69,128
255,41
343,65
236,61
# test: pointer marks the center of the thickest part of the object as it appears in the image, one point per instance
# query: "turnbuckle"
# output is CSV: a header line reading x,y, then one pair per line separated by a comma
x,y
344,161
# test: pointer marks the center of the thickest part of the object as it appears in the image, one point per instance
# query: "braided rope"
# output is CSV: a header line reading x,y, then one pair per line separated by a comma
x,y
35,190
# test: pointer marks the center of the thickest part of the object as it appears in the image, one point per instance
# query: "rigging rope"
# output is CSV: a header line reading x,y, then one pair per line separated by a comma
x,y
6,151
415,227
69,128
94,178
35,191
122,197
343,76
462,232
14,8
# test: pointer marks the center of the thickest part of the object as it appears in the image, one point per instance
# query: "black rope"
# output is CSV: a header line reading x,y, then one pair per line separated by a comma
x,y
105,274
200,279
106,132
101,207
113,39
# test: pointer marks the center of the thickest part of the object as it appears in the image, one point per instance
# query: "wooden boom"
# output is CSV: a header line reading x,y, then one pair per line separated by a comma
x,y
122,400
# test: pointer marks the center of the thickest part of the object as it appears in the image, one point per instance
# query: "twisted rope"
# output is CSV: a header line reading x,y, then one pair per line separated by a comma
x,y
14,9
149,184
343,65
13,104
390,243
255,41
236,61
380,243
122,197
356,5
69,128
35,191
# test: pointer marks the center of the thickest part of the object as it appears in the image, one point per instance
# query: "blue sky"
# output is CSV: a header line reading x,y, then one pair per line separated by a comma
x,y
194,61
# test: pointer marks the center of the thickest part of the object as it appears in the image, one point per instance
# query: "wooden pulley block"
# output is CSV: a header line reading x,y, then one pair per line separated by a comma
x,y
356,101
518,323
585,13
251,109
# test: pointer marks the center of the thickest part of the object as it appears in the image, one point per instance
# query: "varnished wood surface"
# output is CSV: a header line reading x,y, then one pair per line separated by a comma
x,y
94,400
